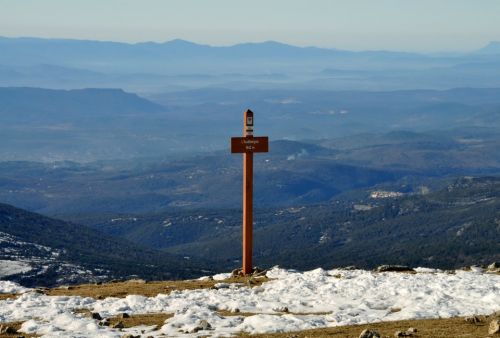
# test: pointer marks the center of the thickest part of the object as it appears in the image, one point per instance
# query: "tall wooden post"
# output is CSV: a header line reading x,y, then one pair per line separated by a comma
x,y
248,144
247,196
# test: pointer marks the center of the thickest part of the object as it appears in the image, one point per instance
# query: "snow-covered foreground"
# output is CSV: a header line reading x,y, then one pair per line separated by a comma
x,y
314,299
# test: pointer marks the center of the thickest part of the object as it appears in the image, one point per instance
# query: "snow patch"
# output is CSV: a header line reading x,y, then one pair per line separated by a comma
x,y
11,287
8,268
317,298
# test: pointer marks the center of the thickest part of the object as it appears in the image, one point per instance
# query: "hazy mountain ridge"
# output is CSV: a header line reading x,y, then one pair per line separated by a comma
x,y
94,124
491,48
178,64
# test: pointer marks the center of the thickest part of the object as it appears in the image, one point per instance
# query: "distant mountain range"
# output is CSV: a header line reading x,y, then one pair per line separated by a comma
x,y
179,64
57,252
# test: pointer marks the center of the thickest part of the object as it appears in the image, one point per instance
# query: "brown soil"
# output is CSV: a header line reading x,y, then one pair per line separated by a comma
x,y
4,296
148,289
157,319
148,319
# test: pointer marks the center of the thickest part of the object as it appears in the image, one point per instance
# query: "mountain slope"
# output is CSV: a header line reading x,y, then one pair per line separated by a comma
x,y
77,124
452,227
63,105
59,251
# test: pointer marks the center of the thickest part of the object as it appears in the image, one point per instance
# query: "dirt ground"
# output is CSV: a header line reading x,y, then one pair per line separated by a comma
x,y
148,289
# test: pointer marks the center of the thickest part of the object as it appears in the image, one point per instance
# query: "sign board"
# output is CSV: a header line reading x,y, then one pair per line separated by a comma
x,y
250,144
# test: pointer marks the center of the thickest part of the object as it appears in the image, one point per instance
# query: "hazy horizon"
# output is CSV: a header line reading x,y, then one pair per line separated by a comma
x,y
423,26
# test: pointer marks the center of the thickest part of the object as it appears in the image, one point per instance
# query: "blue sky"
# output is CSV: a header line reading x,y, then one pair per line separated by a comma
x,y
413,25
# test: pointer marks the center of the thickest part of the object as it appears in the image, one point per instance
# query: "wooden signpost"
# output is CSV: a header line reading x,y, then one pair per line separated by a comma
x,y
248,144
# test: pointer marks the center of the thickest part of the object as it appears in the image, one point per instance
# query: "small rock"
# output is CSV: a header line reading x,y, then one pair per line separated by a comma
x,y
10,330
7,330
236,273
494,266
281,309
402,334
96,315
262,273
473,319
494,327
124,315
118,325
394,268
369,334
104,322
251,281
412,330
204,325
